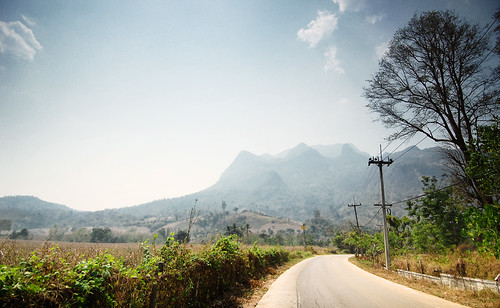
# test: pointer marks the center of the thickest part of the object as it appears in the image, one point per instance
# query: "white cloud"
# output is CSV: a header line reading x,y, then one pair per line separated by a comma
x,y
318,29
351,5
28,20
381,49
18,40
332,63
375,18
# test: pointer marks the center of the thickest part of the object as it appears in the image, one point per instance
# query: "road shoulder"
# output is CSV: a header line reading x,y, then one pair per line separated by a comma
x,y
481,299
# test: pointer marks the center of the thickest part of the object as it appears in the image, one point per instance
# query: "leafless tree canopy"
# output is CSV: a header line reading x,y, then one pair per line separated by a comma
x,y
437,79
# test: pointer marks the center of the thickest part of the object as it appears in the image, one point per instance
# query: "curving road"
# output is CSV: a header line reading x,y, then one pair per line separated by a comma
x,y
332,281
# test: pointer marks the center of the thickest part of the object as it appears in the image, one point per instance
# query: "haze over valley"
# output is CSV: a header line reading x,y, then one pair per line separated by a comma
x,y
289,185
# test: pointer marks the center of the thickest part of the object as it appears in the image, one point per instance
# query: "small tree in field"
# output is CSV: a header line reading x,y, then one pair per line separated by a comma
x,y
102,235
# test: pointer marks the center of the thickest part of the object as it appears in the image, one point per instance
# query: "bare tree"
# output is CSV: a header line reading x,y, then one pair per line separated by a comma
x,y
193,216
438,79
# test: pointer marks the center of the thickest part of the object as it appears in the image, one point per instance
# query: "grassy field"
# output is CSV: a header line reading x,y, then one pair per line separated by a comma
x,y
62,274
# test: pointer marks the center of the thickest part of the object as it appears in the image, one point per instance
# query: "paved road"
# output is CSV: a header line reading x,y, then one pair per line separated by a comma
x,y
332,281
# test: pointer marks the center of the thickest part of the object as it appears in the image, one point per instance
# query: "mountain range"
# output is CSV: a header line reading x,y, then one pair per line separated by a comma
x,y
290,185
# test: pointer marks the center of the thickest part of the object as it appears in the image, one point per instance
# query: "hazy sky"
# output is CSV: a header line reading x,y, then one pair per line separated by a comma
x,y
107,104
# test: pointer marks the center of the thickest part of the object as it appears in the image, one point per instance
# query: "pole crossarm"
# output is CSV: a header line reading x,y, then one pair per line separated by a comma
x,y
377,161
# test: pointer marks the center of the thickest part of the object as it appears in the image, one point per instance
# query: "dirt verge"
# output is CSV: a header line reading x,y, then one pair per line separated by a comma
x,y
483,298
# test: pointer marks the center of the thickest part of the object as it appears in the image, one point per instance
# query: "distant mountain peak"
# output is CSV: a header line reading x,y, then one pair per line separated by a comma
x,y
245,154
348,149
298,150
339,149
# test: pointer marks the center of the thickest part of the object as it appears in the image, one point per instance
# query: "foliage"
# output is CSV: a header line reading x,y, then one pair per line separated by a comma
x,y
484,162
23,234
170,276
182,236
427,237
90,281
320,229
438,213
483,221
235,230
371,245
102,235
483,225
435,223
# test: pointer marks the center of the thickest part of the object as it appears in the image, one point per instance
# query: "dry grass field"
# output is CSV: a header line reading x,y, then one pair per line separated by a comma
x,y
50,274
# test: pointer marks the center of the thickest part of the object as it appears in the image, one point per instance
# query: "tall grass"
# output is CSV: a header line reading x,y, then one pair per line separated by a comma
x,y
460,262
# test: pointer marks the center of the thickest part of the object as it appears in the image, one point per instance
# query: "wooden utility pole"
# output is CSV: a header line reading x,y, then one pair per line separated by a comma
x,y
354,205
380,162
304,231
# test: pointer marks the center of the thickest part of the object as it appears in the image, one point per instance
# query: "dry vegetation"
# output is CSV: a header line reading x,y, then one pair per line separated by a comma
x,y
15,251
483,298
458,263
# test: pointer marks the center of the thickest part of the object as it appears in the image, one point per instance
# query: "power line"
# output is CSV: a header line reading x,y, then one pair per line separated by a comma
x,y
362,178
388,144
376,214
411,148
405,141
370,178
399,134
423,195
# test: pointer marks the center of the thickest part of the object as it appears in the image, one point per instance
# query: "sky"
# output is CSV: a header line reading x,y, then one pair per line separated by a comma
x,y
106,104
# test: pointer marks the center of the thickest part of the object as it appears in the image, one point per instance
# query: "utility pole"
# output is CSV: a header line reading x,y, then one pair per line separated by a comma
x,y
304,231
354,205
380,162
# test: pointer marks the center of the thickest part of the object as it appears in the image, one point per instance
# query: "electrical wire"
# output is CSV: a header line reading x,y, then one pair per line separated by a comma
x,y
405,141
373,174
411,148
362,178
423,195
365,186
376,214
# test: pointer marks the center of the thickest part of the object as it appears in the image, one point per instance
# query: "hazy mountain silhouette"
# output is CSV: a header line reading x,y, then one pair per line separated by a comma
x,y
290,184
